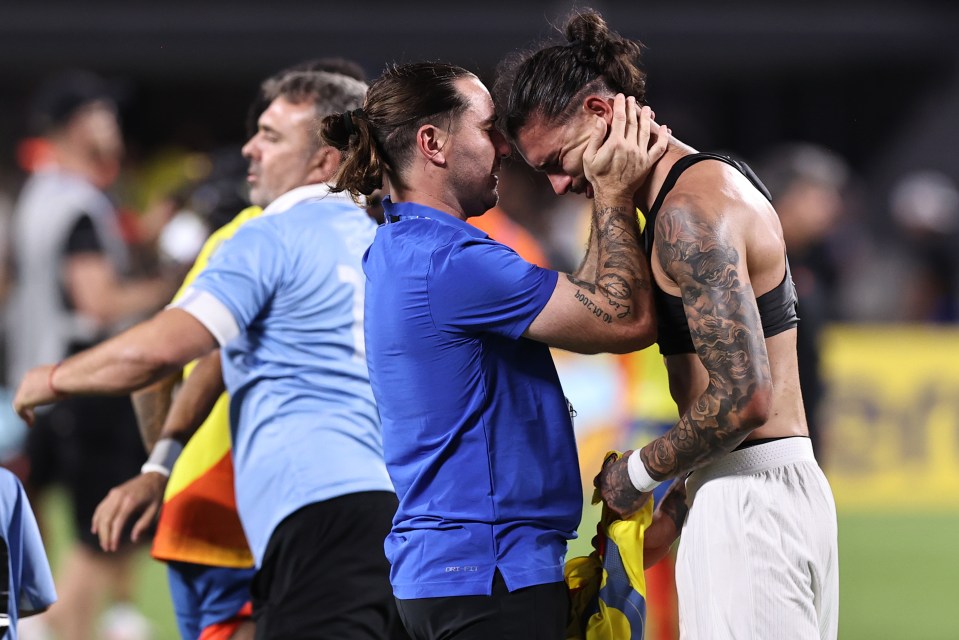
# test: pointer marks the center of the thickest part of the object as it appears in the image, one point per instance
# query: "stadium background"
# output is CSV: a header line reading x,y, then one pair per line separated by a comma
x,y
877,81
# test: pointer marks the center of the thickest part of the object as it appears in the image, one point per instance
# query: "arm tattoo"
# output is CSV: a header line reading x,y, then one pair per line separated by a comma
x,y
618,490
151,406
673,504
620,266
727,332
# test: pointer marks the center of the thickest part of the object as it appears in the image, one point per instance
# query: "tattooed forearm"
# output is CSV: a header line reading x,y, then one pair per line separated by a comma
x,y
582,284
151,406
593,308
673,504
726,329
615,269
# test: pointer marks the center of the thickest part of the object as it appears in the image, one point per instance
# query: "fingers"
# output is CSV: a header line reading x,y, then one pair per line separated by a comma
x,y
645,118
618,124
144,521
596,138
110,518
662,142
631,117
101,519
27,415
119,521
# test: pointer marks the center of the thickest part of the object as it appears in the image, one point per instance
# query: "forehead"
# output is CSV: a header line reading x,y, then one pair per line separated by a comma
x,y
538,142
283,114
477,97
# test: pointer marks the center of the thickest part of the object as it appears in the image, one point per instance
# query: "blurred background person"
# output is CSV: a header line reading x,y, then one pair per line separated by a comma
x,y
807,184
71,292
925,211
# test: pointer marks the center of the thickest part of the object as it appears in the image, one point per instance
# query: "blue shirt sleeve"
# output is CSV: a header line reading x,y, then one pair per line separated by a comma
x,y
37,592
245,271
481,285
31,583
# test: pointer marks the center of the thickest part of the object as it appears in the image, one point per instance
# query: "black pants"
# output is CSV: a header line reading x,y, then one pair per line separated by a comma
x,y
88,445
534,613
324,574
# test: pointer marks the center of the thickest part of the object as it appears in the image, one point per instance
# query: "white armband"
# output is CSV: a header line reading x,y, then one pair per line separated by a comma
x,y
162,458
638,474
210,312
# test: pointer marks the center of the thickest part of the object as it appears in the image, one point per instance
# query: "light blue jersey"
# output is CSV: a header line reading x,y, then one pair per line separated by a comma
x,y
29,584
284,297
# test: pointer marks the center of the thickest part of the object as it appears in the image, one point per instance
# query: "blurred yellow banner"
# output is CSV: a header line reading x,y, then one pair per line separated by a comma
x,y
891,416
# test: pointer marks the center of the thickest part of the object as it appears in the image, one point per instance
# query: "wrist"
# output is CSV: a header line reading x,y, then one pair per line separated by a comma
x,y
638,475
613,197
163,457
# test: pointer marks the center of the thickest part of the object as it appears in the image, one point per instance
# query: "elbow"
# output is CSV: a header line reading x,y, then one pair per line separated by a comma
x,y
639,335
757,407
149,360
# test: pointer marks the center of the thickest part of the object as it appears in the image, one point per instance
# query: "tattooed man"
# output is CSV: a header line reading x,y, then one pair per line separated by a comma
x,y
758,557
476,431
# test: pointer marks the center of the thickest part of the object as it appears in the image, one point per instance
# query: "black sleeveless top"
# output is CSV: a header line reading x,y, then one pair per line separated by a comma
x,y
777,308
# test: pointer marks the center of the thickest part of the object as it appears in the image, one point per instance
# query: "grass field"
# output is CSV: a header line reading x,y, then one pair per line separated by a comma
x,y
899,575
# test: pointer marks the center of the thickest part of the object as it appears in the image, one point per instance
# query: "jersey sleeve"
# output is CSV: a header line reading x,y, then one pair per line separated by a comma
x,y
481,285
213,243
238,283
26,554
83,237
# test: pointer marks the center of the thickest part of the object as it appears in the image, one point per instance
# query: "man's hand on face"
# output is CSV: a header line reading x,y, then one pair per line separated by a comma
x,y
618,157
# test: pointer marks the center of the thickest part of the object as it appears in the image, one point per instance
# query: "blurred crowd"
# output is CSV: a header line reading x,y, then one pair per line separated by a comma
x,y
73,280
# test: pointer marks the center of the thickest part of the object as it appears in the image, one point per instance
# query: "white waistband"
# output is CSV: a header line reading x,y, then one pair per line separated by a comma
x,y
753,460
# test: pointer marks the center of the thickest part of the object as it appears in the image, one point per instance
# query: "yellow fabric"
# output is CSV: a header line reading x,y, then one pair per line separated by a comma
x,y
608,599
199,523
212,439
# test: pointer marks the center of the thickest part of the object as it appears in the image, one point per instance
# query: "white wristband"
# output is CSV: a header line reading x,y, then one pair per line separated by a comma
x,y
638,474
162,458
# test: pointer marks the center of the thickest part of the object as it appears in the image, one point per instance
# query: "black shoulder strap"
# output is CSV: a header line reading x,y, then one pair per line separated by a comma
x,y
681,165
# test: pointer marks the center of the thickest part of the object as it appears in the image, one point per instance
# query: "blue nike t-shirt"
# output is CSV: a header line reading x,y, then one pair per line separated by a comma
x,y
476,430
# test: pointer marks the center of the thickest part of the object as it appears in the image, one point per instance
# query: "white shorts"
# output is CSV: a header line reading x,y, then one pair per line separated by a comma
x,y
758,558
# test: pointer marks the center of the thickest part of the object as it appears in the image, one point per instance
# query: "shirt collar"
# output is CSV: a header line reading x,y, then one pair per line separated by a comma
x,y
415,210
295,196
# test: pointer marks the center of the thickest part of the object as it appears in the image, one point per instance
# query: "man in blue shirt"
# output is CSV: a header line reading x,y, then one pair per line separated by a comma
x,y
283,300
27,582
477,432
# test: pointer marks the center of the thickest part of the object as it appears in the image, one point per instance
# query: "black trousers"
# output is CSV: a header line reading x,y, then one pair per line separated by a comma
x,y
534,613
324,574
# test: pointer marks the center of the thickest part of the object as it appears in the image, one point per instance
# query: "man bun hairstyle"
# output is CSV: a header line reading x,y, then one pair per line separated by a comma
x,y
378,139
361,171
550,81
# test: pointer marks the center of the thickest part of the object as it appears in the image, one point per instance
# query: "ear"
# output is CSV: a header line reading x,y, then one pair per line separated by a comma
x,y
325,162
599,106
430,141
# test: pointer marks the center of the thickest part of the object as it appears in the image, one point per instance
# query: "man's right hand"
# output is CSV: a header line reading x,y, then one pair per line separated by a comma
x,y
141,495
617,489
618,165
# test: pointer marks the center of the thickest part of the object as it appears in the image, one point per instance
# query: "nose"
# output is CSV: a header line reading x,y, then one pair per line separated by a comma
x,y
247,150
560,183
